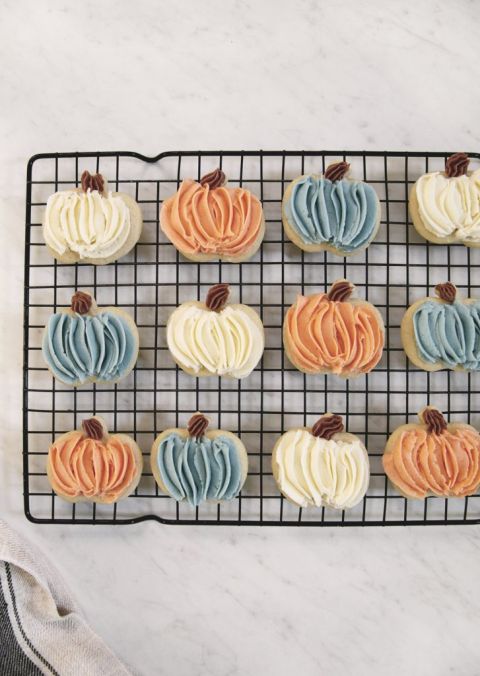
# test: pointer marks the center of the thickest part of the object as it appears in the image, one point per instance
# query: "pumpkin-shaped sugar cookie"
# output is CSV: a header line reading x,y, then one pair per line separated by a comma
x,y
197,465
215,338
433,457
91,224
321,466
443,332
85,343
90,465
332,333
445,205
331,212
205,220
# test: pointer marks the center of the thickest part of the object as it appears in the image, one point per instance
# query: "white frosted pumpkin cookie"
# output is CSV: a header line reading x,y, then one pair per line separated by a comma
x,y
332,333
331,212
85,344
206,220
197,465
91,224
445,205
321,466
215,338
90,465
443,332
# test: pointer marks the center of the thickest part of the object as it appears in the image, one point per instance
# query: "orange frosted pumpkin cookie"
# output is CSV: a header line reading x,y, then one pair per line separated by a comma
x,y
331,333
90,465
433,457
205,220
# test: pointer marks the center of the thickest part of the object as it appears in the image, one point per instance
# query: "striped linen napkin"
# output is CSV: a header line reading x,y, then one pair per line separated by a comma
x,y
42,630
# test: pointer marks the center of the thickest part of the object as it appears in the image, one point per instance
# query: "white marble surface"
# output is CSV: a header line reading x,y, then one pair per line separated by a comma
x,y
152,76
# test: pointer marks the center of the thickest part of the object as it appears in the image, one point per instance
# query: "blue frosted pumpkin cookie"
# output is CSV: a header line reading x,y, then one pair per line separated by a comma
x,y
443,332
85,343
331,212
197,465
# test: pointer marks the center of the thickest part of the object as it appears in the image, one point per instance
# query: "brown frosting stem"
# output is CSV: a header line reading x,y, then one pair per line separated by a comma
x,y
197,425
215,179
337,171
93,428
81,302
340,291
217,297
446,292
92,182
327,426
457,165
434,420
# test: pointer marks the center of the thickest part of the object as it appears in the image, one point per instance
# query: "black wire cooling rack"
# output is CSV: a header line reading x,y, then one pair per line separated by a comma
x,y
398,268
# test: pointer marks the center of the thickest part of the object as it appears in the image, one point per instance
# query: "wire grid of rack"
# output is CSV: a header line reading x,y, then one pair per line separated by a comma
x,y
397,269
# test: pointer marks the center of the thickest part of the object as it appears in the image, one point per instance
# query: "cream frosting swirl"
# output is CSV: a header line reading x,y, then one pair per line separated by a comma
x,y
450,206
88,223
313,471
83,467
229,342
